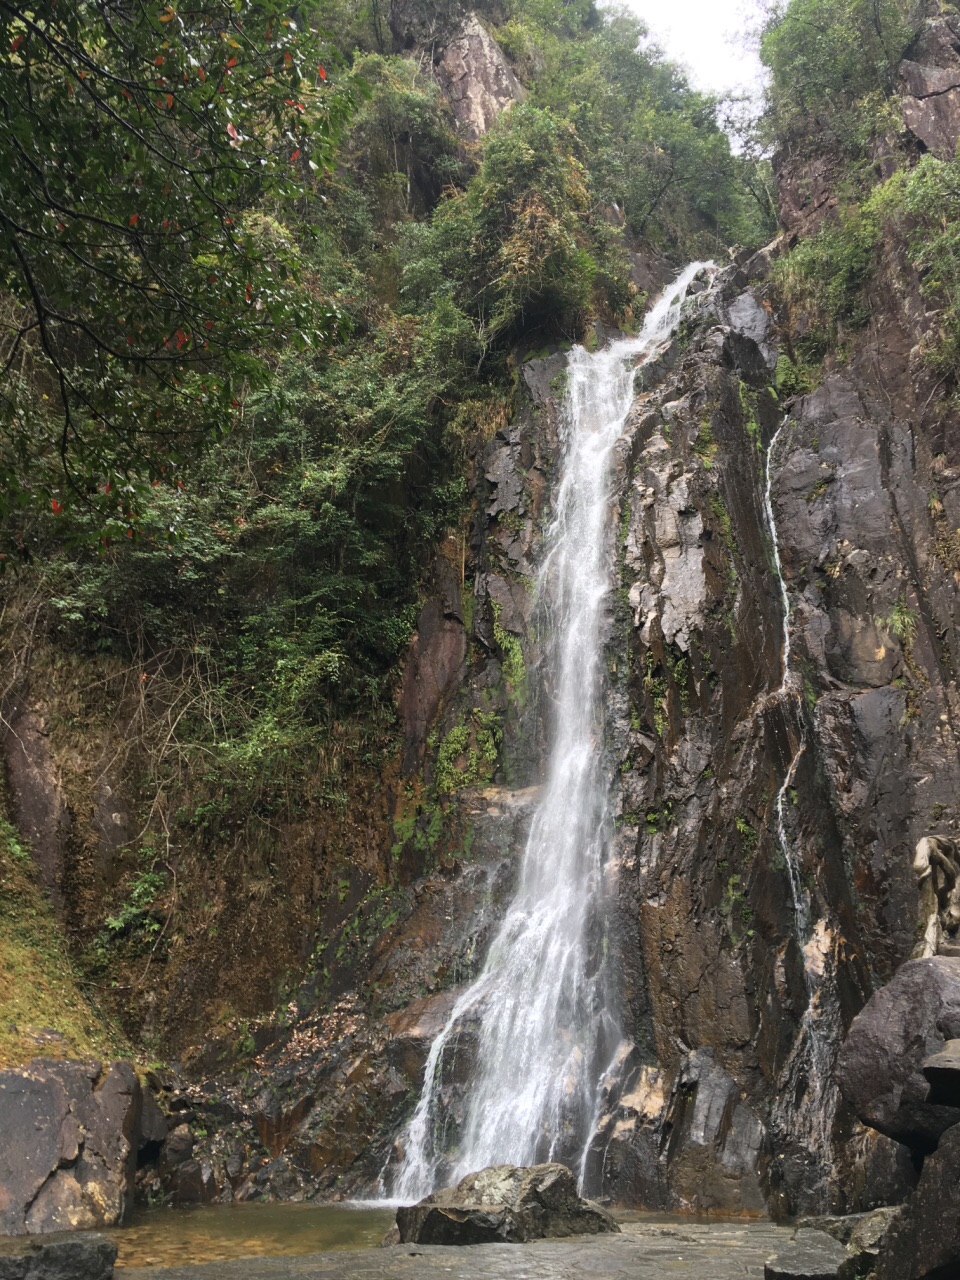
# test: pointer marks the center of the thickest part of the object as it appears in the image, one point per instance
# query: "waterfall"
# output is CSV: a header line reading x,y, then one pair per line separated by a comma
x,y
811,1056
543,1018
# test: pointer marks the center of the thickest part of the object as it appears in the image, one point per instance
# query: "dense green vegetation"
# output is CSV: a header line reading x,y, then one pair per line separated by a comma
x,y
139,279
833,68
834,95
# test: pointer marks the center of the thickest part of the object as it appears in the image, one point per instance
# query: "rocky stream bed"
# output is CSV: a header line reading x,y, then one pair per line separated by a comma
x,y
699,1251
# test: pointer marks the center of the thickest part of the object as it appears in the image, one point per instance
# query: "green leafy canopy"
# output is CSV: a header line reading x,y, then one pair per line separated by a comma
x,y
141,277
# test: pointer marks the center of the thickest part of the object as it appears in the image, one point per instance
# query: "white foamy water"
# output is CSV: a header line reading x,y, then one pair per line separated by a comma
x,y
540,1013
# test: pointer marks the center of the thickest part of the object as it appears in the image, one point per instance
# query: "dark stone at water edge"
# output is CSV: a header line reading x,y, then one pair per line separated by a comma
x,y
943,1071
880,1068
87,1257
924,1243
811,1255
69,1133
504,1205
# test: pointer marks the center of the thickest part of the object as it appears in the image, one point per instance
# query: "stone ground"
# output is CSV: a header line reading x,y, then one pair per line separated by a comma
x,y
695,1251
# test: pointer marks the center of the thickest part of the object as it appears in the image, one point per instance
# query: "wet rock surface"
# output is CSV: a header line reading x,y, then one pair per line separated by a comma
x,y
504,1204
698,1251
87,1257
882,1067
924,1242
70,1135
811,1255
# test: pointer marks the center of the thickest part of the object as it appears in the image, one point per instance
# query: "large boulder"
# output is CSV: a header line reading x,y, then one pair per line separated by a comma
x,y
504,1204
69,1145
880,1068
87,1257
924,1242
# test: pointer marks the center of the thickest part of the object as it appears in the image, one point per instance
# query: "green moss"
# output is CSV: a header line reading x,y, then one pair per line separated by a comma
x,y
40,991
748,836
704,446
513,665
821,487
748,403
656,690
468,755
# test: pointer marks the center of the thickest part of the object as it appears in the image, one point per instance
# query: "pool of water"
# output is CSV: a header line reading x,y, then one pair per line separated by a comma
x,y
220,1233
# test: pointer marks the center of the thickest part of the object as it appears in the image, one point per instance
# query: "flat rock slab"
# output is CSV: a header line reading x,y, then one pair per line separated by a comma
x,y
811,1255
694,1251
85,1257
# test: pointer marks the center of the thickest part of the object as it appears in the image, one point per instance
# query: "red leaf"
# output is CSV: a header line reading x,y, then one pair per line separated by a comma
x,y
321,73
159,60
15,43
57,506
134,219
231,62
287,60
295,156
202,74
169,99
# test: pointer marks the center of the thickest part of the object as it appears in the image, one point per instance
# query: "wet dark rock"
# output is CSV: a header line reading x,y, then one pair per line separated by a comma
x,y
811,1255
943,1072
153,1121
504,1204
86,1257
177,1149
924,1242
881,1066
69,1147
863,1234
194,1183
434,664
412,1031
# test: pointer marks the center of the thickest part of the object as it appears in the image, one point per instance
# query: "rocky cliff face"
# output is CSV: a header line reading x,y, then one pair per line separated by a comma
x,y
767,825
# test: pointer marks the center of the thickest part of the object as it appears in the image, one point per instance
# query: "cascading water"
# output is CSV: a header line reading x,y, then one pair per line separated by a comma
x,y
540,1010
810,1067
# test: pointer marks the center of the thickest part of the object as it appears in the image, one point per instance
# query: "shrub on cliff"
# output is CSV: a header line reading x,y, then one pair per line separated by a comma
x,y
832,65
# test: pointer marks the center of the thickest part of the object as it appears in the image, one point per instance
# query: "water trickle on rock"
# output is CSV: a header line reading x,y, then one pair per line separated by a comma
x,y
809,1103
541,1012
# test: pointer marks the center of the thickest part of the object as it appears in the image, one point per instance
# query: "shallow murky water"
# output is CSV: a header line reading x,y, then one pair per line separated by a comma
x,y
221,1233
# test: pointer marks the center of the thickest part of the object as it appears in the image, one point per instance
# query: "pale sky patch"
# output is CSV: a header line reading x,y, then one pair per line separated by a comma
x,y
709,38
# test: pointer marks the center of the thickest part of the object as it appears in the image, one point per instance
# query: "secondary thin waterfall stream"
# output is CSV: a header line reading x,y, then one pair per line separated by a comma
x,y
811,1054
541,1011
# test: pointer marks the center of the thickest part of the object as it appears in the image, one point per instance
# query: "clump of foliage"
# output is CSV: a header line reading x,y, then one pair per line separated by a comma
x,y
923,205
823,280
139,293
833,65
